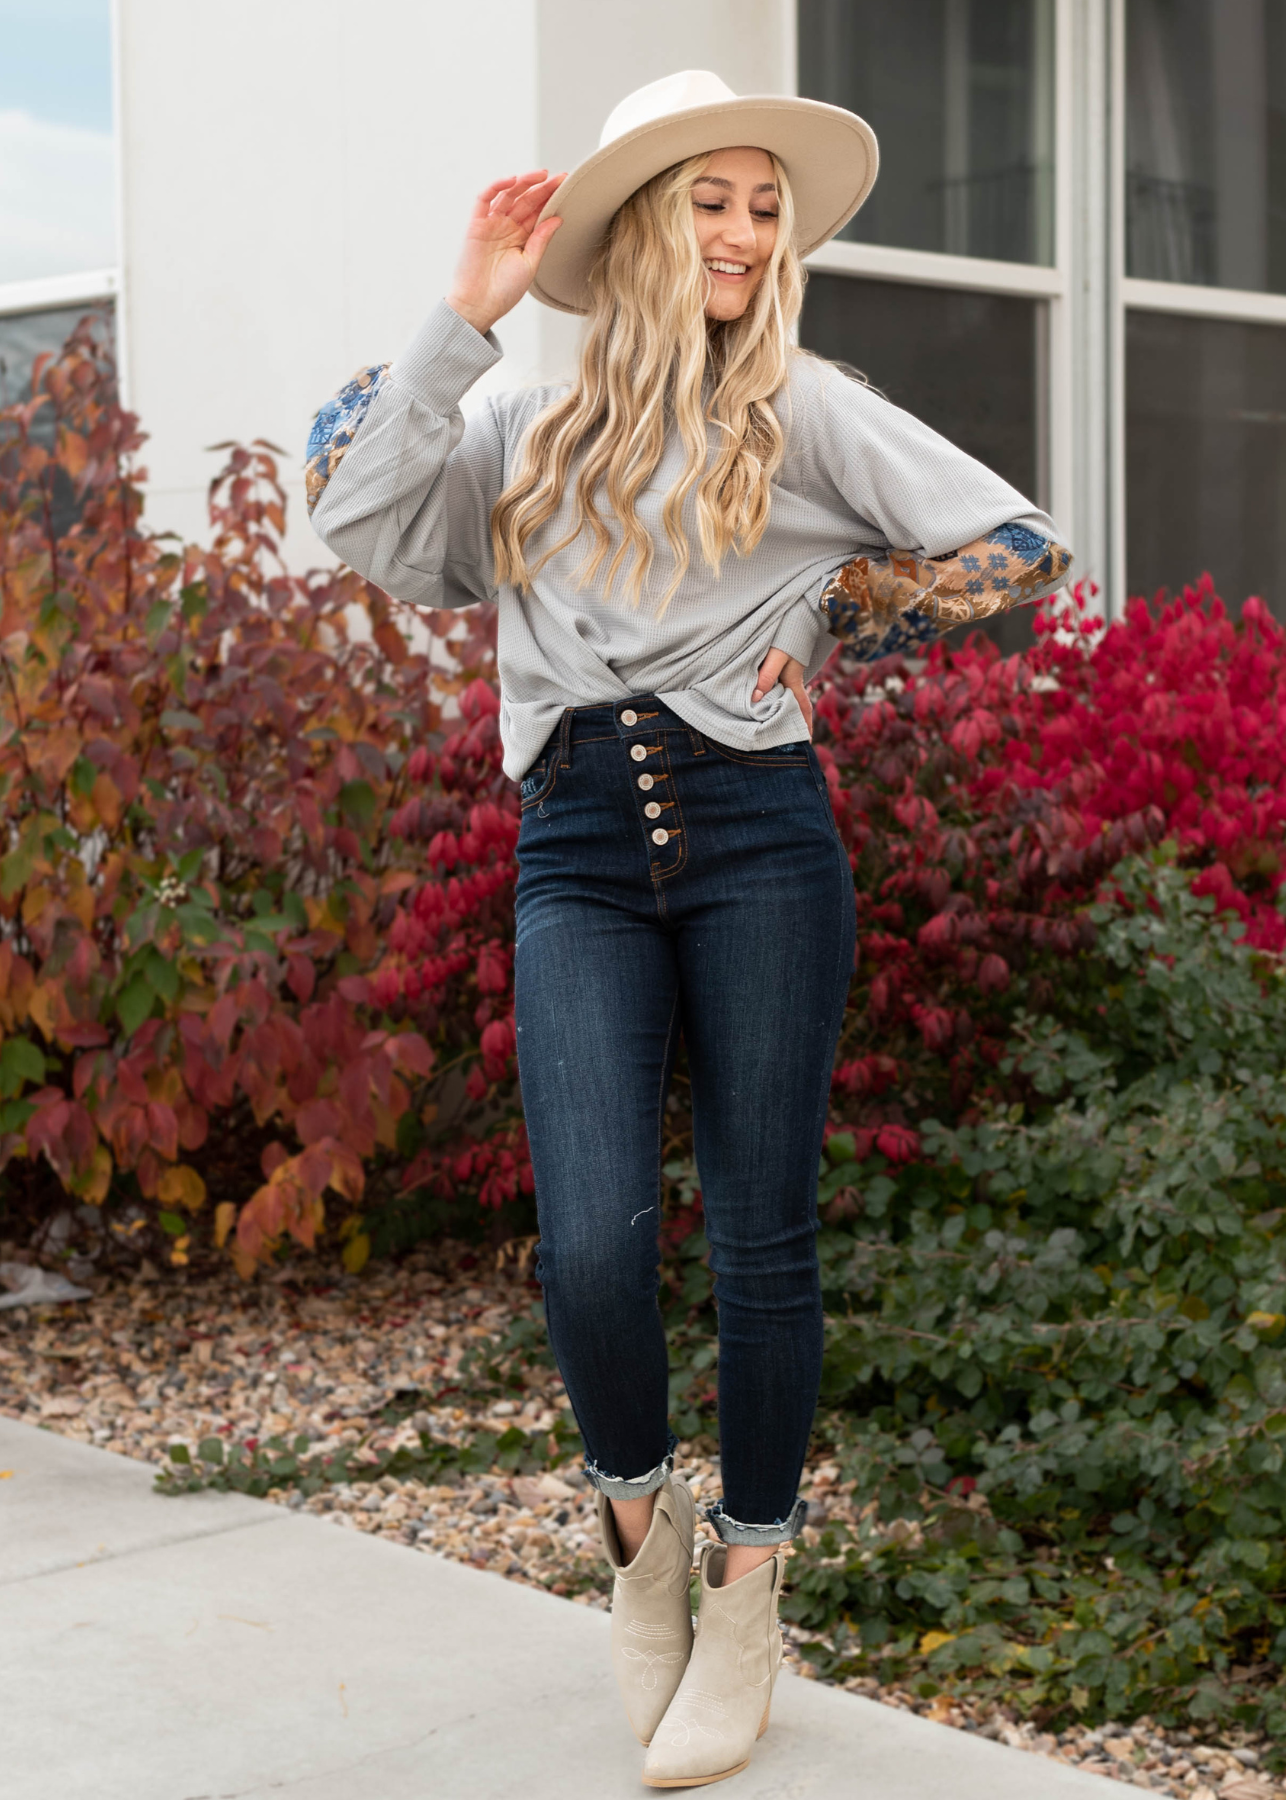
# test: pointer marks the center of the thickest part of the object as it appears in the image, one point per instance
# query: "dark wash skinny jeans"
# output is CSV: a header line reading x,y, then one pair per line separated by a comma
x,y
669,884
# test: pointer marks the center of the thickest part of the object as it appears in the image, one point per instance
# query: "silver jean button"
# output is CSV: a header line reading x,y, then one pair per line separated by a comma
x,y
638,752
647,781
652,810
629,716
660,837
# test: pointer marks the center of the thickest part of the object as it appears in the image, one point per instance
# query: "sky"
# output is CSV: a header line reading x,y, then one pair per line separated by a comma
x,y
57,180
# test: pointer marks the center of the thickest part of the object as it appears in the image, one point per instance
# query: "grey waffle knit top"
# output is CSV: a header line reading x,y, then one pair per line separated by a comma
x,y
402,489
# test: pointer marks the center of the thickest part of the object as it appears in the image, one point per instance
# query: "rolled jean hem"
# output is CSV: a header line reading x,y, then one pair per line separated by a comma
x,y
636,1487
734,1531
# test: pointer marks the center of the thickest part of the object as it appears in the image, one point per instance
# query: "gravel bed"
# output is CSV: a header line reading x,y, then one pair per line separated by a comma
x,y
150,1360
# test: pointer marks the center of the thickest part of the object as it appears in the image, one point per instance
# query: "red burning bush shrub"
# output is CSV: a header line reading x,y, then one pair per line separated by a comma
x,y
257,852
983,799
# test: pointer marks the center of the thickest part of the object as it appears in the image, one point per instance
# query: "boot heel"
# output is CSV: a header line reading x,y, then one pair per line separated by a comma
x,y
763,1723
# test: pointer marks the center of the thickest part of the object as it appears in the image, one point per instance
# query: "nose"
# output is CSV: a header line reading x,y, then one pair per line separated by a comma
x,y
739,230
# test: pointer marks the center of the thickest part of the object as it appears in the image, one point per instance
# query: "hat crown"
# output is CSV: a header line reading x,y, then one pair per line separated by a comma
x,y
673,93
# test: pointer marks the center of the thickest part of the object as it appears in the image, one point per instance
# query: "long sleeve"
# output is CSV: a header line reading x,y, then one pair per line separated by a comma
x,y
919,491
401,486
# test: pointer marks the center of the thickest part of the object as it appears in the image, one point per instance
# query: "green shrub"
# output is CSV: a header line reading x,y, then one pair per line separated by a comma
x,y
1056,1347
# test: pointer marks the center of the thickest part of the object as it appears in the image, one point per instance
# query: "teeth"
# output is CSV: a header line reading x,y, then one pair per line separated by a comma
x,y
728,268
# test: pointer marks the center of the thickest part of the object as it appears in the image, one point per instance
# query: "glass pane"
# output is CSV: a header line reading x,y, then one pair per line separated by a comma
x,y
1206,142
1206,456
25,336
960,95
57,173
967,364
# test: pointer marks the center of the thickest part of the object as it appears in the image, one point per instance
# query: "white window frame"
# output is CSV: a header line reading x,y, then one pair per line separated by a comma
x,y
58,290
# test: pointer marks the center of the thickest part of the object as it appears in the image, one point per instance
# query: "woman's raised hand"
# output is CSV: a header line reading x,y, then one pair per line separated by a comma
x,y
502,247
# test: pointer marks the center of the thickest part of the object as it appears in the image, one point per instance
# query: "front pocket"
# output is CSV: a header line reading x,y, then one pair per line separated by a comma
x,y
781,756
539,780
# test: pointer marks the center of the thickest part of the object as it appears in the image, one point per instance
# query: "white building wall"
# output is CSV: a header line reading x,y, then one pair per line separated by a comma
x,y
295,180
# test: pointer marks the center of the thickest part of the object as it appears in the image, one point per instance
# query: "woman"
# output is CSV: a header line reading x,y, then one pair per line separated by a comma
x,y
659,534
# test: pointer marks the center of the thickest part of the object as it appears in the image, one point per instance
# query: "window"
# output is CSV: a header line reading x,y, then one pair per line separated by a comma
x,y
26,335
1206,142
1204,388
959,93
1206,465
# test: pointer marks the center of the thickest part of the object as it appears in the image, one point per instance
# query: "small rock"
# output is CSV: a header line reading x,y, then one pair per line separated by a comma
x,y
552,1488
1249,1759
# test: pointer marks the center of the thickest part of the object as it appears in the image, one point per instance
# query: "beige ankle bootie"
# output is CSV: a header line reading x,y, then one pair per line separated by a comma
x,y
651,1611
722,1703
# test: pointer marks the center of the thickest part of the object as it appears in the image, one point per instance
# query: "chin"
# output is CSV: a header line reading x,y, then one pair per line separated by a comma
x,y
729,310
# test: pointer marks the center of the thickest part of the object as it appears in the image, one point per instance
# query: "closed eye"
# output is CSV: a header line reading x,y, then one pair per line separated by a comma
x,y
717,206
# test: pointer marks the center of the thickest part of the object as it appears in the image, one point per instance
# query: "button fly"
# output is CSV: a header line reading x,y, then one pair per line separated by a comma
x,y
660,837
629,716
647,781
638,752
652,810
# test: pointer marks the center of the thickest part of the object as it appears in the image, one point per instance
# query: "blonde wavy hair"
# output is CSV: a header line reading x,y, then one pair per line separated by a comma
x,y
645,357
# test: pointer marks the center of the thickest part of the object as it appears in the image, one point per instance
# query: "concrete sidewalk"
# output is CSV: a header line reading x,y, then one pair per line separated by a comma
x,y
219,1648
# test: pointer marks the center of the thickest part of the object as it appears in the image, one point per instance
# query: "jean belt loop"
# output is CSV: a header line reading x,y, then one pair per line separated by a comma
x,y
565,739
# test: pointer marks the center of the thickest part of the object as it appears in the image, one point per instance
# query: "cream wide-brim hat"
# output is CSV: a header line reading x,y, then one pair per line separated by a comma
x,y
830,157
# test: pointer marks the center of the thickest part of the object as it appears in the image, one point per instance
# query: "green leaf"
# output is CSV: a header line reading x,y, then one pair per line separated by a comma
x,y
15,869
178,1453
14,1115
357,802
162,976
20,1061
82,777
134,1003
177,718
211,1450
173,1223
158,617
194,600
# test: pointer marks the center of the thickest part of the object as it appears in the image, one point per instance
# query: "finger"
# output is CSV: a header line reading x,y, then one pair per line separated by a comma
x,y
769,673
528,205
482,205
793,678
513,191
538,242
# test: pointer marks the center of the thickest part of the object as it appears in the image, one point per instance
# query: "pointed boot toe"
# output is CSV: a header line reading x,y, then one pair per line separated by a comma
x,y
722,1703
651,1609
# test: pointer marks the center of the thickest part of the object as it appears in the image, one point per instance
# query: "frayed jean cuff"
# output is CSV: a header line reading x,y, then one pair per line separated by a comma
x,y
733,1531
635,1487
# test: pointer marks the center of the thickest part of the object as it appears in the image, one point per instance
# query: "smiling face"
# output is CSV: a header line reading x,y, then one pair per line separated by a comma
x,y
734,203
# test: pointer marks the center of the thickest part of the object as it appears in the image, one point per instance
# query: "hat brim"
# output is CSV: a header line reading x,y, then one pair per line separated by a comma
x,y
830,157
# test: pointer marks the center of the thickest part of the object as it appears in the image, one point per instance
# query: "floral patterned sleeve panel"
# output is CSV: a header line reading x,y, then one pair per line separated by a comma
x,y
335,427
897,603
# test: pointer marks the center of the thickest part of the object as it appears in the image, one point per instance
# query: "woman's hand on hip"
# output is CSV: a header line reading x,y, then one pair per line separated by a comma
x,y
502,247
778,666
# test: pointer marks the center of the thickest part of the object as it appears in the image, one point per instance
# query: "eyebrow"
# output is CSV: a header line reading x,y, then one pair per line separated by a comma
x,y
764,187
